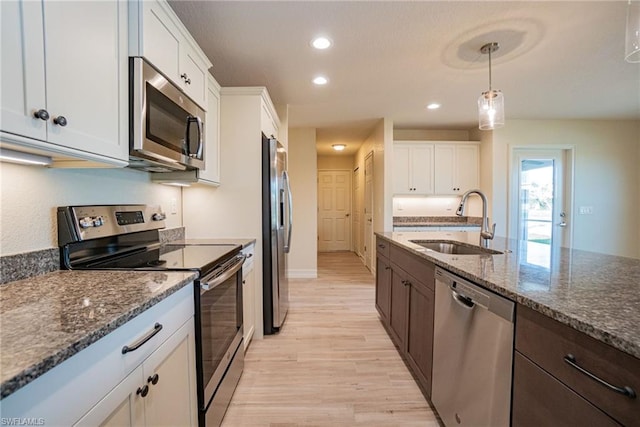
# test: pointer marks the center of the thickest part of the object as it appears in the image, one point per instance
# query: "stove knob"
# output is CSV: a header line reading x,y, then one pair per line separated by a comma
x,y
98,221
158,216
86,222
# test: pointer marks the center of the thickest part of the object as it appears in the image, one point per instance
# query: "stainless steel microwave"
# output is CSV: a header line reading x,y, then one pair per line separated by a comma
x,y
166,128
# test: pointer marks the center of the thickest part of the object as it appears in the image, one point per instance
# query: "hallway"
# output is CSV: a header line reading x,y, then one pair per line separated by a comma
x,y
332,364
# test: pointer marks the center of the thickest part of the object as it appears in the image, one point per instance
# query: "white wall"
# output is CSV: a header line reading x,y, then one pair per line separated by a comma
x,y
430,135
380,142
30,195
607,168
336,162
303,258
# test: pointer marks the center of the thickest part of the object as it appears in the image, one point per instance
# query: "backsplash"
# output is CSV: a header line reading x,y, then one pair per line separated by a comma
x,y
30,264
434,206
32,194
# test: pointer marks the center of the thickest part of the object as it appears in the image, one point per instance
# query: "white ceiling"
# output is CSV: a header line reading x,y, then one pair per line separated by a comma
x,y
557,60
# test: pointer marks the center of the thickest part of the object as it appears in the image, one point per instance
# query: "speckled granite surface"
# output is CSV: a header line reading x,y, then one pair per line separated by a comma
x,y
171,234
436,221
28,264
47,319
594,293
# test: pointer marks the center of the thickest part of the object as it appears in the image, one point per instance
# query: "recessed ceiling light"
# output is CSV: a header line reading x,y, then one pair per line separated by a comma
x,y
321,43
433,106
339,147
320,80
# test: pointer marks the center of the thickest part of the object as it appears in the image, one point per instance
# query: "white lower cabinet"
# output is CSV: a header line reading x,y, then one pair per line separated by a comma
x,y
248,296
102,386
161,391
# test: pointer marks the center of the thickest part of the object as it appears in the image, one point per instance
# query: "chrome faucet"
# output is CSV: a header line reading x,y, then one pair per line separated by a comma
x,y
486,233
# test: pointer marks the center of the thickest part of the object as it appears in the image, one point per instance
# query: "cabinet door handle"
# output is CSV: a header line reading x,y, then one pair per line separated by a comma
x,y
156,328
406,282
41,114
60,121
143,391
626,390
153,379
381,246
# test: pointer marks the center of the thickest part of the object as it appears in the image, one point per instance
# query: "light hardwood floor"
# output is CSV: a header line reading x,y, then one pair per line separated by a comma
x,y
332,364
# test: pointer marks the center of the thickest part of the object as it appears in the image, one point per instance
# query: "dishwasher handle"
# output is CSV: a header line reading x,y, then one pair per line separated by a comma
x,y
466,302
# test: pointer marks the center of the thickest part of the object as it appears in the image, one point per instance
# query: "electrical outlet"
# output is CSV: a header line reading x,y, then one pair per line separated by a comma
x,y
173,206
586,210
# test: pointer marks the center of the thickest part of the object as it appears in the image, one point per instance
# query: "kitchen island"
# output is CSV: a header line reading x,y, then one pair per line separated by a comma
x,y
597,294
576,348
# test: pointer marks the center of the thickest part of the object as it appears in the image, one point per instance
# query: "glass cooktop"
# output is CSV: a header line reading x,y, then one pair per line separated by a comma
x,y
170,257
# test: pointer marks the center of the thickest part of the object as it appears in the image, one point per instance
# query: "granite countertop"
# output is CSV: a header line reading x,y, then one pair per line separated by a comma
x,y
597,294
436,221
47,319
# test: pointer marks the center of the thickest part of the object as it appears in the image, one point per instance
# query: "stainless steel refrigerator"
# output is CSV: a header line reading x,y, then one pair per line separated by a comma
x,y
277,215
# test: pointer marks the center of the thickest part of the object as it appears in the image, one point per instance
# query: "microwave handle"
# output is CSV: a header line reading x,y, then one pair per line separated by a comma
x,y
198,121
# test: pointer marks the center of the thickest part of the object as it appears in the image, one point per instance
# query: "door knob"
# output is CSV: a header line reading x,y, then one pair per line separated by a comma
x,y
347,215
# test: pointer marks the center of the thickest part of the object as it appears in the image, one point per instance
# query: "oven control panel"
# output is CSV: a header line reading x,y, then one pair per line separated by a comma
x,y
78,223
128,218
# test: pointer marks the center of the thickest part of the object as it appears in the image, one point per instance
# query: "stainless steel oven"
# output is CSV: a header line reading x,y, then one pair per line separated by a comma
x,y
219,339
126,237
166,128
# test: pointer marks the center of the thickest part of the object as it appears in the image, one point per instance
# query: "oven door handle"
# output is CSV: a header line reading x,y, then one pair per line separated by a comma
x,y
206,283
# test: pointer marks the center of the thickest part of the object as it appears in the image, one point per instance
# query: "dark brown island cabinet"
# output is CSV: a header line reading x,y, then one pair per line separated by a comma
x,y
565,377
405,294
561,377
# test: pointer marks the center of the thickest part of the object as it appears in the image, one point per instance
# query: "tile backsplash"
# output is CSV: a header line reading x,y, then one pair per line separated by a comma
x,y
434,206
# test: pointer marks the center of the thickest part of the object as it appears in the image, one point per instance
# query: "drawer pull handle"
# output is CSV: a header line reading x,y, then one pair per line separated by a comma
x,y
156,328
626,390
382,246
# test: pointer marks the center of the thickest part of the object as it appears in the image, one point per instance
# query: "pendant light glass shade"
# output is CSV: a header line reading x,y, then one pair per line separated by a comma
x,y
491,102
491,110
632,37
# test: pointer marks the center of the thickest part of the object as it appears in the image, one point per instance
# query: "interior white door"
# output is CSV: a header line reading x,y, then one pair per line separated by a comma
x,y
539,211
334,211
357,213
368,211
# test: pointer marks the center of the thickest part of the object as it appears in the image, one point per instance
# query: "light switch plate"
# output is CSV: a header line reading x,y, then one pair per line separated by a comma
x,y
585,210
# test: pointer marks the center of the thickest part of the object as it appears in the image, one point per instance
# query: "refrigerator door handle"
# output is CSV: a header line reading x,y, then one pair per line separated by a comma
x,y
287,246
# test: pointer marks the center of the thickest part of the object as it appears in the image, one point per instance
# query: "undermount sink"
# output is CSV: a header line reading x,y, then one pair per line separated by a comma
x,y
455,248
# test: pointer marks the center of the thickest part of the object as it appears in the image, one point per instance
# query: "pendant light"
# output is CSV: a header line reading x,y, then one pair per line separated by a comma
x,y
491,102
632,35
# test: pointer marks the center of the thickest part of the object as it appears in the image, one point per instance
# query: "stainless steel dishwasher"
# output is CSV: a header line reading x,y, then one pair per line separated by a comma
x,y
472,353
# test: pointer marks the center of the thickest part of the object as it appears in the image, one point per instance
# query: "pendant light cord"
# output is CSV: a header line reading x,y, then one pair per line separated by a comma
x,y
490,70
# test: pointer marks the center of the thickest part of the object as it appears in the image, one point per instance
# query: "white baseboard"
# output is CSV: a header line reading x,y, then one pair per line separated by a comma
x,y
303,274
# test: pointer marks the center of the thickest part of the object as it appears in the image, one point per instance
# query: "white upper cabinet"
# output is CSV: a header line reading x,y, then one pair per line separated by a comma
x,y
412,169
456,168
79,106
269,125
443,168
159,36
211,173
